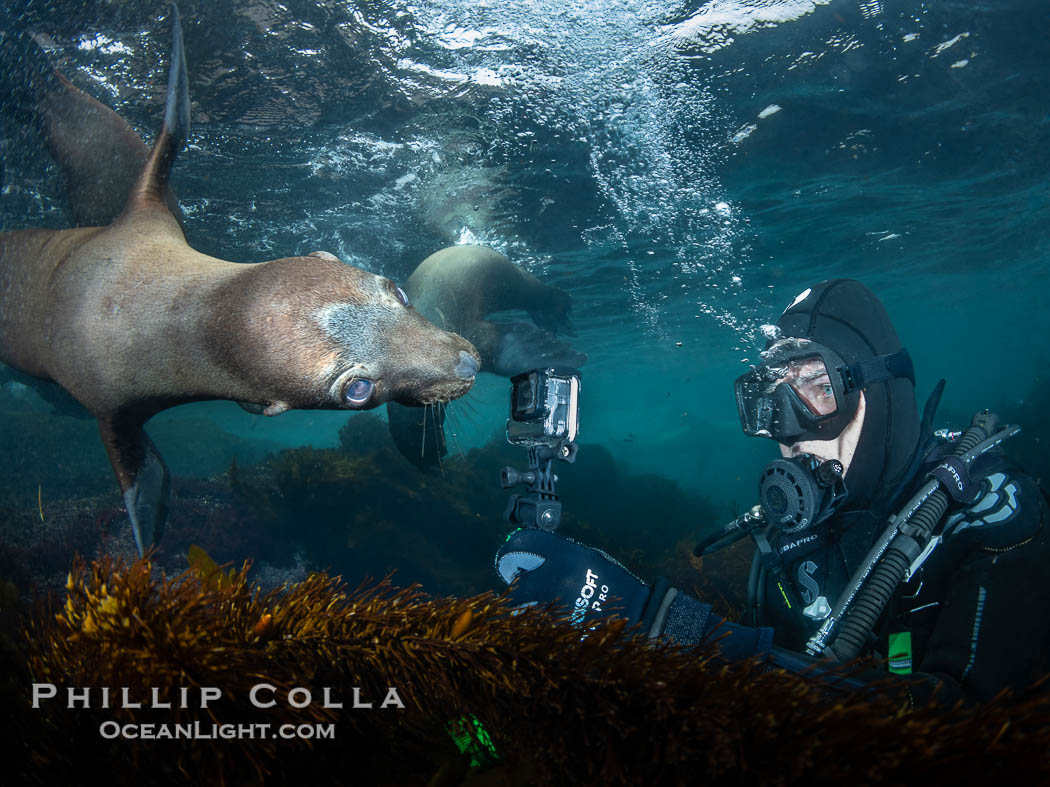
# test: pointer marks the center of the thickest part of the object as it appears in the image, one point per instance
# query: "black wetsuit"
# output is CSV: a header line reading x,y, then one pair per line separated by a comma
x,y
977,610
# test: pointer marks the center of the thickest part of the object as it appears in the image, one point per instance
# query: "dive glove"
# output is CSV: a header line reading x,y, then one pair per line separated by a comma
x,y
586,583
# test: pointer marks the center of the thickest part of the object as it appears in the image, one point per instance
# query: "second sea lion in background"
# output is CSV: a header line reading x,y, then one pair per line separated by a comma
x,y
463,285
459,288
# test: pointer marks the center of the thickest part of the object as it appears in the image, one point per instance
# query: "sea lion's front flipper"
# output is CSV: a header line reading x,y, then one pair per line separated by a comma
x,y
99,178
98,152
143,478
149,190
509,348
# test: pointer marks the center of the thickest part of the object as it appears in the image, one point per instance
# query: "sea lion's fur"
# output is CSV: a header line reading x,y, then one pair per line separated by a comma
x,y
459,288
130,320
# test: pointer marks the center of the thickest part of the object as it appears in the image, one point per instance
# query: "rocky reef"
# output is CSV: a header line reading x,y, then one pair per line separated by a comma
x,y
359,510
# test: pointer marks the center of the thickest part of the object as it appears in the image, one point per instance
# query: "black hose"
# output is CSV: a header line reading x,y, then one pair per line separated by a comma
x,y
754,578
743,525
889,573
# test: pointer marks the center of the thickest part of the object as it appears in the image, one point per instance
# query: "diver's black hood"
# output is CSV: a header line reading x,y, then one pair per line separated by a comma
x,y
844,315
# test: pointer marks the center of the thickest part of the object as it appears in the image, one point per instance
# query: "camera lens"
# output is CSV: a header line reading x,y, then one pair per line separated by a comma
x,y
525,398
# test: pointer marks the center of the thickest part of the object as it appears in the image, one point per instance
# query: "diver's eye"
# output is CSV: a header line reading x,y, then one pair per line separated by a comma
x,y
358,391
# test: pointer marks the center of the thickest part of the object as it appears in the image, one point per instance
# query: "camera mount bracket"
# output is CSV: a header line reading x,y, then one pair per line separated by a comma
x,y
539,507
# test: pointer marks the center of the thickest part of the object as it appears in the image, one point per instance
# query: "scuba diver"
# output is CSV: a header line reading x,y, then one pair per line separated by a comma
x,y
874,536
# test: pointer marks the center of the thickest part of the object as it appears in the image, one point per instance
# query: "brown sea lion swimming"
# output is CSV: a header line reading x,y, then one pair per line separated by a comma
x,y
463,286
459,289
130,320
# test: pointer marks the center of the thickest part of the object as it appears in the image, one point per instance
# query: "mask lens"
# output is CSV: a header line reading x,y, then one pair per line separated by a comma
x,y
786,396
810,380
754,404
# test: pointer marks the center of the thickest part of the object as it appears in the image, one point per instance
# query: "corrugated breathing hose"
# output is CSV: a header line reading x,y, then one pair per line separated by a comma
x,y
886,565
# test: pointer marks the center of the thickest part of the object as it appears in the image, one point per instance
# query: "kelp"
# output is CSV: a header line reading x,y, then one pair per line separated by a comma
x,y
558,704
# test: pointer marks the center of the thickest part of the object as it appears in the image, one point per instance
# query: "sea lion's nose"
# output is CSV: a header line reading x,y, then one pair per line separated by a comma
x,y
467,367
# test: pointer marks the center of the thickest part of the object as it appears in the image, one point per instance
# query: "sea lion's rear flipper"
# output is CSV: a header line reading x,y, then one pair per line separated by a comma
x,y
509,348
143,478
418,432
149,190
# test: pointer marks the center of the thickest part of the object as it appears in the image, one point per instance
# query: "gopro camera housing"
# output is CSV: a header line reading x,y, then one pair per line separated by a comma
x,y
544,407
544,417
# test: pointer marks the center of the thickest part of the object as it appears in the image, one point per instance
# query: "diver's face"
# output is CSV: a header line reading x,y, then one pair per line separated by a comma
x,y
809,378
841,448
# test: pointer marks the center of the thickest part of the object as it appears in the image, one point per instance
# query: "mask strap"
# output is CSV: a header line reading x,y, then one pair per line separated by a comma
x,y
875,370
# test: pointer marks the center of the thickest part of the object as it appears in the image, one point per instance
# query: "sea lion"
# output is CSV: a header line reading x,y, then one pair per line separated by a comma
x,y
457,289
130,320
462,285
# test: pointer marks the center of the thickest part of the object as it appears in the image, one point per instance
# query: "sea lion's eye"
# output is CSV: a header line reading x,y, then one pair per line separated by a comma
x,y
358,391
401,296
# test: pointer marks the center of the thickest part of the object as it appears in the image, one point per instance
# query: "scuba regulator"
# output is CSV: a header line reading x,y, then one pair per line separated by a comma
x,y
805,490
800,491
845,631
793,494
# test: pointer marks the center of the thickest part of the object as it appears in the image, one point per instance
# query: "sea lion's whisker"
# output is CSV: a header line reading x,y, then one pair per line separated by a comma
x,y
451,412
423,444
437,439
468,406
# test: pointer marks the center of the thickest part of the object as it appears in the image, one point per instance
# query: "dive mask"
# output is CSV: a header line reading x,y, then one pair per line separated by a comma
x,y
805,391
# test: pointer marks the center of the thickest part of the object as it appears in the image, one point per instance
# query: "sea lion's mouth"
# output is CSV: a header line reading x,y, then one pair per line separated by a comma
x,y
438,384
444,392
